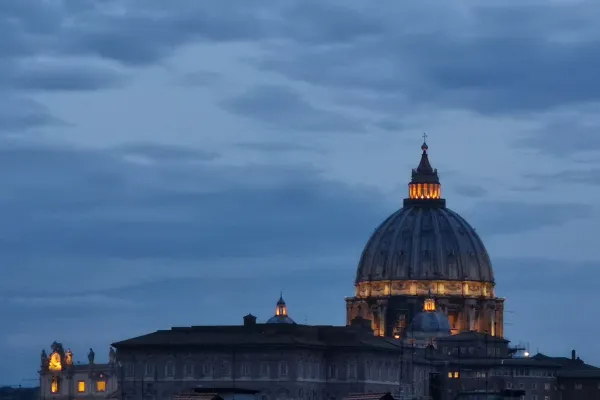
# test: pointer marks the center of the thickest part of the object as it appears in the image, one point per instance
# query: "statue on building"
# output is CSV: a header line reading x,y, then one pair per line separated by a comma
x,y
44,358
69,357
57,347
112,356
91,356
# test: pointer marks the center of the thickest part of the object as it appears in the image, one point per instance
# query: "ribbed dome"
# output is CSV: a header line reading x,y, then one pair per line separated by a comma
x,y
430,323
420,242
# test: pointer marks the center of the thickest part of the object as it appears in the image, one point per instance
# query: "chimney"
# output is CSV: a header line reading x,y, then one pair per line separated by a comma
x,y
249,320
573,355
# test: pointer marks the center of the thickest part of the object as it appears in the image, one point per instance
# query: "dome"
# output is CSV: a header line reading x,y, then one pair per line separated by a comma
x,y
425,243
435,323
424,240
281,313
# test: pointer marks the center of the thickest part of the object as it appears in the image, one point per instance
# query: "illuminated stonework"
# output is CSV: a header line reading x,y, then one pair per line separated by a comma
x,y
55,364
421,288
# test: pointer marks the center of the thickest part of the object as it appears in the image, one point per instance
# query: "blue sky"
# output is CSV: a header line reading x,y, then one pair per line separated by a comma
x,y
181,162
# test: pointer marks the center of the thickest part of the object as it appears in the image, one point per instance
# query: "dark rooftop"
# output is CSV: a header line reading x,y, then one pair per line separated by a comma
x,y
263,335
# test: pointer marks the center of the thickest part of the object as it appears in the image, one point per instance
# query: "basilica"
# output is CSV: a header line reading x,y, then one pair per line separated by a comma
x,y
424,323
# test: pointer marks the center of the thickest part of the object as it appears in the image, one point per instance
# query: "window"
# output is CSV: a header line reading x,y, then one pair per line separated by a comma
x,y
81,386
300,369
521,385
578,386
55,385
534,385
351,372
206,369
497,351
264,369
534,397
509,385
188,370
332,371
130,370
225,370
170,369
100,386
283,369
149,369
546,386
456,375
449,375
245,370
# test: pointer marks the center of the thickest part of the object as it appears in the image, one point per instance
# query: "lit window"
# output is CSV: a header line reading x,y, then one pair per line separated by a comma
x,y
450,375
55,363
456,375
100,386
55,387
81,386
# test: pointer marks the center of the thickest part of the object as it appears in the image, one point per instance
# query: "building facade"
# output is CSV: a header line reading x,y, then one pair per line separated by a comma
x,y
61,378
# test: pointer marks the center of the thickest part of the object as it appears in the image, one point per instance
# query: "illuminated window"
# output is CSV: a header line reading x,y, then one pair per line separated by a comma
x,y
81,386
100,386
55,386
456,375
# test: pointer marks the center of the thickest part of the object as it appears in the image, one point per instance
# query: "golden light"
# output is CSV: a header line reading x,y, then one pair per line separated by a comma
x,y
81,386
55,364
54,386
429,305
101,386
425,191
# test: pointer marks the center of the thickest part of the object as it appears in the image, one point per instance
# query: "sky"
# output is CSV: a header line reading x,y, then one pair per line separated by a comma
x,y
177,163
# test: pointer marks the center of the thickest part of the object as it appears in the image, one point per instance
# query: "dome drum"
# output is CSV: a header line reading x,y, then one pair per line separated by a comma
x,y
440,288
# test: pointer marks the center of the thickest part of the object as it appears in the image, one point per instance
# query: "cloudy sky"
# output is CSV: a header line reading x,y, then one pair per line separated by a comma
x,y
180,162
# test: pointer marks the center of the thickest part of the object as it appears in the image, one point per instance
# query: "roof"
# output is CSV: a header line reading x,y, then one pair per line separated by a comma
x,y
202,393
266,335
566,363
473,336
369,396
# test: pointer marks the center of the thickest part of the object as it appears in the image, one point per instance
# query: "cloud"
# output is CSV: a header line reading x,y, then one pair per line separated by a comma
x,y
565,135
19,114
282,107
501,218
82,301
471,61
467,190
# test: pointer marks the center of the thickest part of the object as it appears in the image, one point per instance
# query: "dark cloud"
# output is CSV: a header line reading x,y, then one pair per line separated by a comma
x,y
107,205
284,108
563,136
496,218
469,190
20,114
473,63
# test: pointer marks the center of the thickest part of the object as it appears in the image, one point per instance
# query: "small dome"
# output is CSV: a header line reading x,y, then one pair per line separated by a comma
x,y
281,314
280,319
431,323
